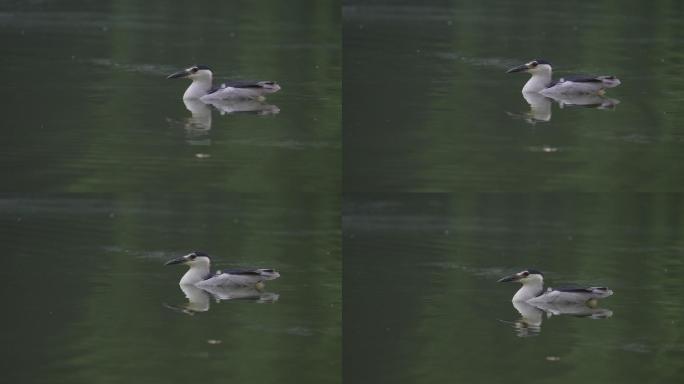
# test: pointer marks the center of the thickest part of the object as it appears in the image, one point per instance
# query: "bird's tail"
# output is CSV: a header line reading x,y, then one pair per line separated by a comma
x,y
599,292
269,86
609,81
268,274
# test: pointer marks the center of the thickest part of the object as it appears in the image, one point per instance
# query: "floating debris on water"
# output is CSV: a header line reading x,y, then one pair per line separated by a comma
x,y
544,149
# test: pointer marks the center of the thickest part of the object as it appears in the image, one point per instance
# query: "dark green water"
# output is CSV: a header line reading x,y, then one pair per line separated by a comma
x,y
107,174
429,107
88,108
432,122
443,180
89,300
421,301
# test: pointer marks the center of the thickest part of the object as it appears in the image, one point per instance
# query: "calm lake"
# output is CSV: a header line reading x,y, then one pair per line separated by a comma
x,y
432,122
443,179
428,106
88,107
107,174
89,299
421,301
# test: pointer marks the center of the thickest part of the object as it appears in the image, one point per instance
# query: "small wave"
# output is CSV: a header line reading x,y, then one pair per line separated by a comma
x,y
288,144
491,62
138,68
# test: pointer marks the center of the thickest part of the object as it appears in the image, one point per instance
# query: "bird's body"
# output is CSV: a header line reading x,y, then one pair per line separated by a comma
x,y
201,87
532,290
242,277
542,81
200,274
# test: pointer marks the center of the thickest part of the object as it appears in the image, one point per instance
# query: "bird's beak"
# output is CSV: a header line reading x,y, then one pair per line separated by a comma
x,y
519,68
509,278
176,75
178,260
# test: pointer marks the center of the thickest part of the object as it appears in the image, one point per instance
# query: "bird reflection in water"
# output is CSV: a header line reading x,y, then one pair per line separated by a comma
x,y
198,126
199,299
532,316
540,105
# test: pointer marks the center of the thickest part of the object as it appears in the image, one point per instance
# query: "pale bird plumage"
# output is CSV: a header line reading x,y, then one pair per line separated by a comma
x,y
199,273
201,87
541,81
532,290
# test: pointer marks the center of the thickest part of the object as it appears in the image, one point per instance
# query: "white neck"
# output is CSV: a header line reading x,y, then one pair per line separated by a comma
x,y
538,81
529,290
195,274
199,87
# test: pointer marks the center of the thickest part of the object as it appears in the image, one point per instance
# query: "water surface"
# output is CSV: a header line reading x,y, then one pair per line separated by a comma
x,y
421,301
87,107
88,298
429,107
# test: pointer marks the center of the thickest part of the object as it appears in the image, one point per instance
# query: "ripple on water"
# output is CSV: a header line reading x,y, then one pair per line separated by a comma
x,y
491,62
153,69
489,272
636,348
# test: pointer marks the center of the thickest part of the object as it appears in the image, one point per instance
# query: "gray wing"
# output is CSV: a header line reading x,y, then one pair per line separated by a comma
x,y
579,289
577,79
243,271
247,83
241,84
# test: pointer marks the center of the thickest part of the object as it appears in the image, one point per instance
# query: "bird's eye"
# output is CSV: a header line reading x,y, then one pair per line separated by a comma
x,y
534,63
193,256
526,273
194,70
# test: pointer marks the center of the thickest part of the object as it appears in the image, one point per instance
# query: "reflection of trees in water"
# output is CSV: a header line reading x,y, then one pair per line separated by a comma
x,y
425,267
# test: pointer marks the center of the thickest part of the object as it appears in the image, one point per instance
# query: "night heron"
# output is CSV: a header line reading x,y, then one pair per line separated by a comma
x,y
202,89
532,290
542,82
200,274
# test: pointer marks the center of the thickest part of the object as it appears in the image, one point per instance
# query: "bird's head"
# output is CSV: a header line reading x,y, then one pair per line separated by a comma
x,y
191,259
524,277
534,66
193,73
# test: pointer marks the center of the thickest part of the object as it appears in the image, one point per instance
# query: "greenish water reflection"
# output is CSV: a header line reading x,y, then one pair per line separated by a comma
x,y
428,105
88,107
91,300
422,302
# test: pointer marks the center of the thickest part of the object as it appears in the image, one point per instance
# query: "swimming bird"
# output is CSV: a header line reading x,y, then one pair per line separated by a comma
x,y
201,88
532,291
542,82
200,274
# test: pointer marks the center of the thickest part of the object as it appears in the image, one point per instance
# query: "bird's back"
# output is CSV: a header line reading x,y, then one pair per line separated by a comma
x,y
241,277
572,294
